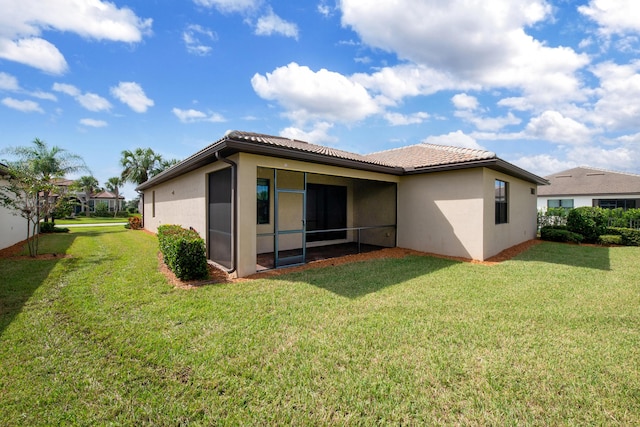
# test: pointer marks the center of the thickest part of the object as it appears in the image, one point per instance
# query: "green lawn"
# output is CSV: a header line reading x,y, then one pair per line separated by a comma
x,y
81,219
549,338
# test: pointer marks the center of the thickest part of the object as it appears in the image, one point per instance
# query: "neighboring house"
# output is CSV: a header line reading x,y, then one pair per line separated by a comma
x,y
252,196
107,198
13,228
92,201
585,186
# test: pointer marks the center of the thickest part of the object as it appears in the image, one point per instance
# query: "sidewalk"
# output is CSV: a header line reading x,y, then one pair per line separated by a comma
x,y
104,224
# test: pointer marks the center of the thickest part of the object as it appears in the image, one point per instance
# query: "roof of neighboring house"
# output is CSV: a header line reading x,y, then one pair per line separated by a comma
x,y
590,181
105,195
420,158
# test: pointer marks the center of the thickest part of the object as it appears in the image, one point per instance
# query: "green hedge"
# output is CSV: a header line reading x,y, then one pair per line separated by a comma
x,y
588,221
629,236
608,239
183,251
559,234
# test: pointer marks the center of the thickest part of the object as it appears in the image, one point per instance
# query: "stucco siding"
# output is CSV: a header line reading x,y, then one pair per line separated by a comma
x,y
442,213
522,213
13,228
181,201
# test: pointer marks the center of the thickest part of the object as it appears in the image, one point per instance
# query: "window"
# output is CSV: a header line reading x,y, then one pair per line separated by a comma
x,y
263,201
501,192
153,204
560,203
614,204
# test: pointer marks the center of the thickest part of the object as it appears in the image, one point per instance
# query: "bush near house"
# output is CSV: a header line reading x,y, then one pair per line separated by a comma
x,y
559,233
628,236
135,223
183,251
50,227
590,222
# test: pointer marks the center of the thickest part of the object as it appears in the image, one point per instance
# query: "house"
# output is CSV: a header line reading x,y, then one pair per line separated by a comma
x,y
94,199
108,198
261,200
585,186
13,228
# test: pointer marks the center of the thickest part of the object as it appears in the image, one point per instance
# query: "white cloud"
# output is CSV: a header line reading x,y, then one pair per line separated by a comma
x,y
455,139
93,102
34,52
324,9
93,123
317,135
271,23
131,94
553,126
88,100
618,158
464,101
619,87
614,16
67,89
470,42
195,38
26,106
43,95
395,83
397,119
193,116
488,123
309,95
227,6
23,21
544,164
8,82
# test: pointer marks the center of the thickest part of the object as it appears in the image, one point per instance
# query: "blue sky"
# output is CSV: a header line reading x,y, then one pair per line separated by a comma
x,y
547,85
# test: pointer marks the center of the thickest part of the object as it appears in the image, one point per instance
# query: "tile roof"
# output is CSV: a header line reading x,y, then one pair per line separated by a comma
x,y
426,155
294,144
412,159
590,181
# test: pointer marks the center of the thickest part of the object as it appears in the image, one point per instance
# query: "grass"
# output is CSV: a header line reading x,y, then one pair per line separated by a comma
x,y
81,219
549,338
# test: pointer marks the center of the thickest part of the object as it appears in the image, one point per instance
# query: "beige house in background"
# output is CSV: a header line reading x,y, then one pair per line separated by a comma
x,y
266,201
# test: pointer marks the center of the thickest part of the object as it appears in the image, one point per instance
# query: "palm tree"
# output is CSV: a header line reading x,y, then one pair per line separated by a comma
x,y
143,163
87,184
139,165
48,164
113,184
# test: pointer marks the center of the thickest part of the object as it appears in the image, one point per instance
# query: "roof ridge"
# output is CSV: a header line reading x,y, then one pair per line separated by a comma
x,y
594,169
461,150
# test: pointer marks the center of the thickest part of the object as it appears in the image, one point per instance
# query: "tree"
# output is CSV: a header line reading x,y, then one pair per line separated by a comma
x,y
139,165
20,192
46,164
86,184
113,184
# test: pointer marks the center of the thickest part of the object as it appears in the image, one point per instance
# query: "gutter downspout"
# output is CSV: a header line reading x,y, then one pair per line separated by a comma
x,y
234,197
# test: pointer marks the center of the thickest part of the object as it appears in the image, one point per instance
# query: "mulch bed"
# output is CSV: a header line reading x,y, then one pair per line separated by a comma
x,y
217,275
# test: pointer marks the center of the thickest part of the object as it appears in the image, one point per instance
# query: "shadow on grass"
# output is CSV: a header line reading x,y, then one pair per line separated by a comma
x,y
583,256
358,279
21,277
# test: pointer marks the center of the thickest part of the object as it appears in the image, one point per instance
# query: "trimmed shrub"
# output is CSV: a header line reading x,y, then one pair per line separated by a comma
x,y
49,227
183,252
559,234
590,222
609,239
102,210
629,236
135,223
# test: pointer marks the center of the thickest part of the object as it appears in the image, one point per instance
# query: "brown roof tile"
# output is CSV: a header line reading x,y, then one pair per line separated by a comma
x,y
426,155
